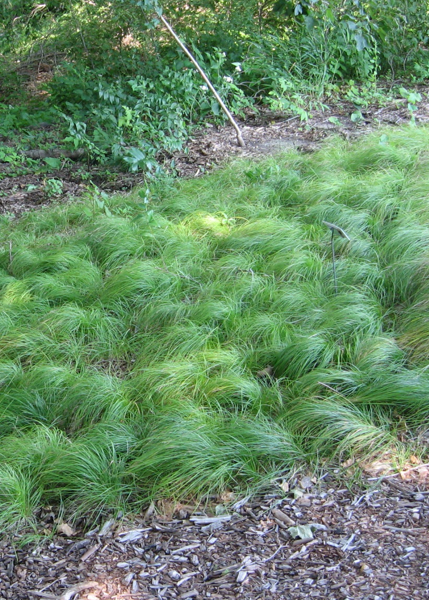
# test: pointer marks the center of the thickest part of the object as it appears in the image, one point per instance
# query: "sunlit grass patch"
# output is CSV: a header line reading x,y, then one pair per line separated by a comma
x,y
202,342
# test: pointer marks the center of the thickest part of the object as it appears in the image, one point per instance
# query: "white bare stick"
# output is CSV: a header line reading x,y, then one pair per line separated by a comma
x,y
206,79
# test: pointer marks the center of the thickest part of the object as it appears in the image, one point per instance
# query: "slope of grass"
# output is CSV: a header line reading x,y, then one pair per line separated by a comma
x,y
130,344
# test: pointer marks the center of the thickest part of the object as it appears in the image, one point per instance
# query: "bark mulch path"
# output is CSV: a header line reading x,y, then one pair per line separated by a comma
x,y
361,544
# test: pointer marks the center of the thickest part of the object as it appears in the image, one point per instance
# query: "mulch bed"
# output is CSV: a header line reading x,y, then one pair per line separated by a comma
x,y
365,544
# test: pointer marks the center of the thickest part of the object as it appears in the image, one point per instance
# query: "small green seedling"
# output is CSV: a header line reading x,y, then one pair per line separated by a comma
x,y
53,187
412,99
357,117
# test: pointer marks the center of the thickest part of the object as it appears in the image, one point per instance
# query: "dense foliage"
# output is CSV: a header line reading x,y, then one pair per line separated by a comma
x,y
133,330
123,92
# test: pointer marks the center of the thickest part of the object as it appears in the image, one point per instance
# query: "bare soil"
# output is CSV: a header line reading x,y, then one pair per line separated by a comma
x,y
363,544
264,133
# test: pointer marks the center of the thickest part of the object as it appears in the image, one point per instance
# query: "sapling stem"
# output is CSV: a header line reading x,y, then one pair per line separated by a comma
x,y
206,79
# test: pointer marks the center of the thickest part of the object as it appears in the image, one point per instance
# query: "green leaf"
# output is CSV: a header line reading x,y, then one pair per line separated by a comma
x,y
329,14
303,532
215,108
414,97
54,163
356,117
309,22
361,42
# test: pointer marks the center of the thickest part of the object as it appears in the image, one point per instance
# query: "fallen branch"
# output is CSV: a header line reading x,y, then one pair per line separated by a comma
x,y
55,153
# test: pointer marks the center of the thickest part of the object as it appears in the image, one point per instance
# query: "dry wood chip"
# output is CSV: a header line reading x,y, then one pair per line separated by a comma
x,y
78,545
190,594
306,482
281,516
241,576
150,511
90,552
223,571
106,527
185,548
210,520
186,578
174,575
132,535
240,503
75,589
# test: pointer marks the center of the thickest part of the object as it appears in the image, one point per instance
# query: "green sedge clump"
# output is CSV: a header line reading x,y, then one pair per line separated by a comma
x,y
210,347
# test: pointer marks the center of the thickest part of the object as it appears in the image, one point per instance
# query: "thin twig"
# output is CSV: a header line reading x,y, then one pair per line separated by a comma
x,y
284,123
275,554
49,585
333,262
413,530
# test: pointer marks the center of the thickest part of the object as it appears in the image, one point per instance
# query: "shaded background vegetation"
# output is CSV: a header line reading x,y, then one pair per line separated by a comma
x,y
120,88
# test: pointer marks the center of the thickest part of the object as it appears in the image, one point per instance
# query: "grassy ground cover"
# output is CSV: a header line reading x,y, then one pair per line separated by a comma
x,y
132,333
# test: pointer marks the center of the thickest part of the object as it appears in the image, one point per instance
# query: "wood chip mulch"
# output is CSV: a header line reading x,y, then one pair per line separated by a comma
x,y
362,544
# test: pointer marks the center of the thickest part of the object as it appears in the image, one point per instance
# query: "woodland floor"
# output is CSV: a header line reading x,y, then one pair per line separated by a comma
x,y
368,544
263,133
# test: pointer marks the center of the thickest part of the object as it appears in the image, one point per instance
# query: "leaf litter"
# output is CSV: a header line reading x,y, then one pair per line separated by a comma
x,y
265,133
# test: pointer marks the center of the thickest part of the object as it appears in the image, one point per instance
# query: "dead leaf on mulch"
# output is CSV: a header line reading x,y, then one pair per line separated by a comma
x,y
66,530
